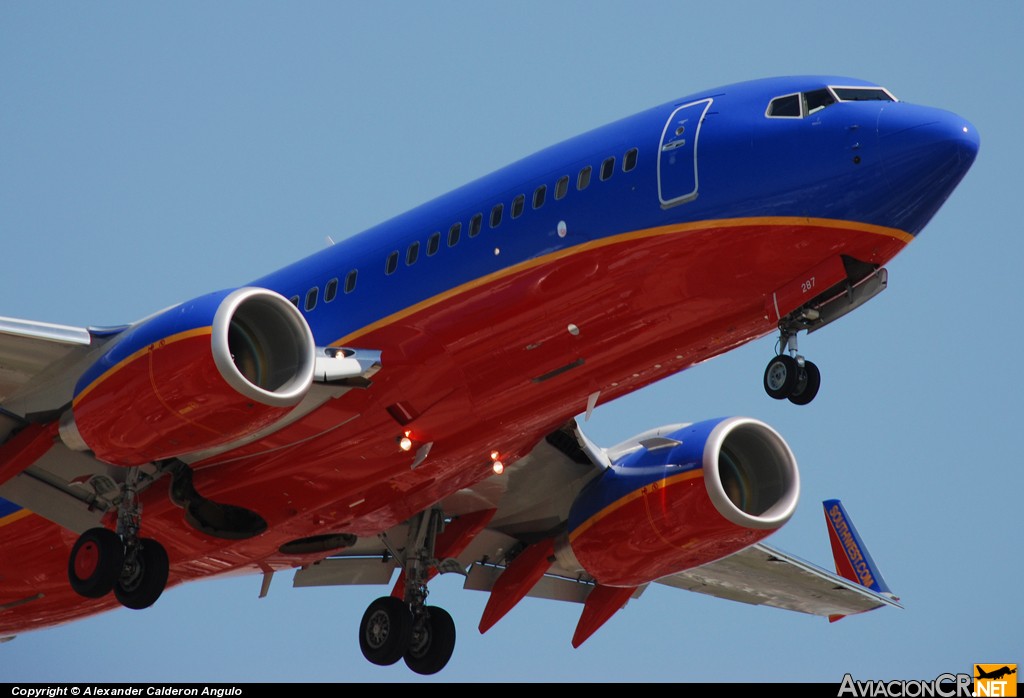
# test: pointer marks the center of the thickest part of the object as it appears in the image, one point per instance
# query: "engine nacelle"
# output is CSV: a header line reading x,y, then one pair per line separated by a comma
x,y
682,499
195,376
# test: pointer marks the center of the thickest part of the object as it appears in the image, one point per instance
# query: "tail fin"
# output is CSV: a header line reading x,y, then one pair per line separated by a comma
x,y
853,561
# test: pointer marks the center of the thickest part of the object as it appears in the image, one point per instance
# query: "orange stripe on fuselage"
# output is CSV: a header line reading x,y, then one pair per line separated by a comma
x,y
665,230
619,503
16,516
547,259
187,334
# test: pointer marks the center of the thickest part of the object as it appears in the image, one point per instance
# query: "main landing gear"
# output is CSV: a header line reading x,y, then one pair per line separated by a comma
x,y
791,376
134,568
407,628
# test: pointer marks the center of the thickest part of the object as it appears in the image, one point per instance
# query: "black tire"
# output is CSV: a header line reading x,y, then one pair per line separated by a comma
x,y
780,377
807,387
430,653
385,631
140,587
95,563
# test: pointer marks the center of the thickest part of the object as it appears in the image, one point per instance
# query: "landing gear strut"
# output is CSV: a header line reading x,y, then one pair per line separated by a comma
x,y
134,568
407,628
791,376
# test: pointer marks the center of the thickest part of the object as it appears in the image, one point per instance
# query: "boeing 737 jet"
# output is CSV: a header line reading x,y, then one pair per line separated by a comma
x,y
410,399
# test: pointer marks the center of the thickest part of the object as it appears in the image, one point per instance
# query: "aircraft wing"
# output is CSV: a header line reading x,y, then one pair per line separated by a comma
x,y
28,349
760,575
502,535
765,576
39,363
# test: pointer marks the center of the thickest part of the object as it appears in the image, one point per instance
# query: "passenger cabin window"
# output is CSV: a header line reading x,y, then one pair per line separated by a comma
x,y
453,234
311,295
561,187
412,254
350,281
538,195
583,181
474,224
629,161
433,244
330,290
496,215
607,168
391,264
517,205
295,301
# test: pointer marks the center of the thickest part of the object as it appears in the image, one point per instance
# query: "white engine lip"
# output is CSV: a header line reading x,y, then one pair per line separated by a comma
x,y
292,392
781,511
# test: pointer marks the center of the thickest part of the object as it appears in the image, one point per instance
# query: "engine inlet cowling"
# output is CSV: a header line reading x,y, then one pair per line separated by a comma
x,y
687,497
263,347
193,377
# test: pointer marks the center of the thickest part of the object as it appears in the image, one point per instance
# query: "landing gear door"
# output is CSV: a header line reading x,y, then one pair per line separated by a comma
x,y
677,154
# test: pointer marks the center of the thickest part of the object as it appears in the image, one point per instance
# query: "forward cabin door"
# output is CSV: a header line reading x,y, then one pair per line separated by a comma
x,y
677,154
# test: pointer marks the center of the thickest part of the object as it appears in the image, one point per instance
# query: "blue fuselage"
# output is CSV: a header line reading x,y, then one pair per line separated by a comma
x,y
878,162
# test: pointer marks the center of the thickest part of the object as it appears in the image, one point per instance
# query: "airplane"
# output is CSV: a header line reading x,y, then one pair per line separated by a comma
x,y
409,397
995,674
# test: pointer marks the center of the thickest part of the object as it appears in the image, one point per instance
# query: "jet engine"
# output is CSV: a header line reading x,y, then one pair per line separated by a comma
x,y
681,497
192,377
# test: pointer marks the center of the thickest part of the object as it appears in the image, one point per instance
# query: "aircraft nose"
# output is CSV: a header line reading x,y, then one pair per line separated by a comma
x,y
925,152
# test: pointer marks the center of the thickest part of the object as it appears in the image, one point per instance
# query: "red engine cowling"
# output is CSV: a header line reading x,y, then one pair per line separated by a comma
x,y
193,377
681,499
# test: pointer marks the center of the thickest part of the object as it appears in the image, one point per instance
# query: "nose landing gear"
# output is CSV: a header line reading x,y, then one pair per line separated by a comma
x,y
791,376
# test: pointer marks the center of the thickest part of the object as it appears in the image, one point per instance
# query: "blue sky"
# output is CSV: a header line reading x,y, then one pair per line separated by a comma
x,y
152,152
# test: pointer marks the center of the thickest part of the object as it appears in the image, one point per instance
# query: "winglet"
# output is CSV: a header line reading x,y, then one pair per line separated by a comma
x,y
853,561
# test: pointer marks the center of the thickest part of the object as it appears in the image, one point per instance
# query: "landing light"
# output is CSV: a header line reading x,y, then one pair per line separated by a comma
x,y
497,466
405,443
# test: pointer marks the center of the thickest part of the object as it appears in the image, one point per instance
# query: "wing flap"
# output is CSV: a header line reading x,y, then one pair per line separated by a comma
x,y
345,570
482,577
765,576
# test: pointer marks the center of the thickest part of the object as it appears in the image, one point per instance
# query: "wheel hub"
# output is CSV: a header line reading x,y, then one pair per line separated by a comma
x,y
132,574
378,629
86,560
420,640
777,375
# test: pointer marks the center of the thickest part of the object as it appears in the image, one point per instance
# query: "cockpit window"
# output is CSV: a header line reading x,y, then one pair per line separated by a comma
x,y
816,100
785,106
804,104
863,94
